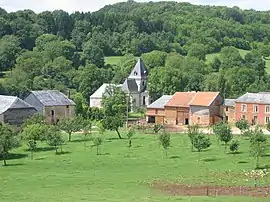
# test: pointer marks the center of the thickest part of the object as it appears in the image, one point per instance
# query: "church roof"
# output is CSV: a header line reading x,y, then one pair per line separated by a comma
x,y
130,85
139,71
99,92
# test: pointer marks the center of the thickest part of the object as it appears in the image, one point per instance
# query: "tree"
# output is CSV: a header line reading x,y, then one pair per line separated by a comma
x,y
97,142
165,141
114,102
258,145
197,50
157,128
193,131
35,119
93,54
242,125
8,141
70,125
201,142
224,133
55,138
234,146
87,127
32,134
130,134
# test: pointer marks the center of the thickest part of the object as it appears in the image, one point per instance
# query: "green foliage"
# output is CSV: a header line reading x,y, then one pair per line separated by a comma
x,y
55,138
224,133
97,142
258,145
35,119
130,134
165,141
193,131
70,125
201,142
114,103
8,141
234,146
242,125
157,128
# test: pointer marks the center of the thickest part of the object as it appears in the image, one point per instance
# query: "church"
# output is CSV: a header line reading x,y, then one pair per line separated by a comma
x,y
135,86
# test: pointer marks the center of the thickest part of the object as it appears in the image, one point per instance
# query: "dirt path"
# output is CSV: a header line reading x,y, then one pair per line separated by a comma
x,y
204,190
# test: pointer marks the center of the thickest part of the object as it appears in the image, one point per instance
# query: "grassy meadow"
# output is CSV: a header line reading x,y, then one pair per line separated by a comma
x,y
120,174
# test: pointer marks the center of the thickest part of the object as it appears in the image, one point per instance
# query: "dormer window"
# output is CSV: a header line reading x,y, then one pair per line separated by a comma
x,y
135,73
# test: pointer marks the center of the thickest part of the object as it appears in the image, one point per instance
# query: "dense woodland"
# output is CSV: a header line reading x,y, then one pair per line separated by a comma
x,y
58,50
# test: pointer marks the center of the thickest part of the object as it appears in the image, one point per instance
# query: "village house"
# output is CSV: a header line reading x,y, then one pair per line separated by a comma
x,y
53,104
206,108
229,111
135,86
254,107
177,109
156,111
14,111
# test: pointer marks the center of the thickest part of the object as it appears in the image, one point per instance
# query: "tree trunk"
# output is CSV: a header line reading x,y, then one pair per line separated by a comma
x,y
84,140
225,147
61,148
55,149
69,137
4,159
118,134
97,150
32,154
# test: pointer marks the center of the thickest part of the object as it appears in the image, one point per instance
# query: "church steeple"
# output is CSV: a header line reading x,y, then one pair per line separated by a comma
x,y
139,71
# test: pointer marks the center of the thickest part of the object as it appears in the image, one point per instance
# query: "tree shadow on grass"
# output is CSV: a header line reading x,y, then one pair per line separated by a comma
x,y
12,156
104,154
87,140
212,159
263,167
174,157
243,162
63,153
42,149
266,155
116,138
12,165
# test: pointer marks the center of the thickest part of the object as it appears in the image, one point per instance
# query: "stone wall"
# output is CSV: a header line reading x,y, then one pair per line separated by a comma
x,y
16,117
54,114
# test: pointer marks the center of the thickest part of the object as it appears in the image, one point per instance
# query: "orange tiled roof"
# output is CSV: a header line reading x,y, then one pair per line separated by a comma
x,y
181,99
203,98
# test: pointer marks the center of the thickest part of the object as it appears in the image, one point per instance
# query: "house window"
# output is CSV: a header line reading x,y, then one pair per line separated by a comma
x,y
267,109
243,116
135,73
52,112
267,119
244,108
144,100
156,112
227,118
227,109
67,106
255,108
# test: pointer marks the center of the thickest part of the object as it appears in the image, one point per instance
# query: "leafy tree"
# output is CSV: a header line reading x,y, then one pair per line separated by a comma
x,y
97,142
154,59
165,141
234,146
93,54
35,119
130,134
224,133
55,138
157,128
114,102
258,145
70,125
87,128
242,125
197,50
193,131
8,141
201,142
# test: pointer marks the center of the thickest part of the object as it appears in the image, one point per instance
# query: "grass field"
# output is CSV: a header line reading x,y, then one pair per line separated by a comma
x,y
122,175
113,60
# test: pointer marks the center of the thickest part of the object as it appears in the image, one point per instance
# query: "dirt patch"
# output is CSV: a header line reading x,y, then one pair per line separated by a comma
x,y
205,190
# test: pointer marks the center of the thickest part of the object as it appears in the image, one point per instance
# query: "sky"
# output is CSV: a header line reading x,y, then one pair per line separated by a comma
x,y
93,5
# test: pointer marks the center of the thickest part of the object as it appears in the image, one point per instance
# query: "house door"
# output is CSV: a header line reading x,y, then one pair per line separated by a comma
x,y
186,122
255,120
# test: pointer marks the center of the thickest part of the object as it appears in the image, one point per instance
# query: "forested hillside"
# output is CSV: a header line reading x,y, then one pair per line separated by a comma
x,y
57,50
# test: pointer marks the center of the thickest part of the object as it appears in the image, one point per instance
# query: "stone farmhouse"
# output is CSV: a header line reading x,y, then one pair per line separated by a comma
x,y
53,104
229,111
135,86
184,108
14,111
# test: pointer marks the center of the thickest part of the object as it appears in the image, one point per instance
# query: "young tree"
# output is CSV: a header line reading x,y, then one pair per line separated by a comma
x,y
242,125
8,141
224,133
35,119
97,142
33,133
130,134
234,146
157,128
70,125
87,127
114,103
258,145
201,142
165,141
193,131
55,138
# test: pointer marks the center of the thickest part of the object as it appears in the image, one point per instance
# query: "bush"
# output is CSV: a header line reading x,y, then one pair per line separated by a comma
x,y
165,141
201,142
234,146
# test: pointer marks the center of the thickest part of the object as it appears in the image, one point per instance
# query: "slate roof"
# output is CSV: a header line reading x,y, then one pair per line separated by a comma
x,y
258,98
11,102
52,98
130,85
139,71
203,98
160,103
99,92
229,102
181,99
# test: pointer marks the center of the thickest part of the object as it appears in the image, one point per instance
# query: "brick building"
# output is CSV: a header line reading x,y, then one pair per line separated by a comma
x,y
254,107
229,111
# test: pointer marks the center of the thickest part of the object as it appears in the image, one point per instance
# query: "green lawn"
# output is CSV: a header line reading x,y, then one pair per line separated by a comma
x,y
120,174
113,60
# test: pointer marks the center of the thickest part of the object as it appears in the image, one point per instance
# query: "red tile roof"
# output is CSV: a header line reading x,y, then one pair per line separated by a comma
x,y
203,98
181,99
